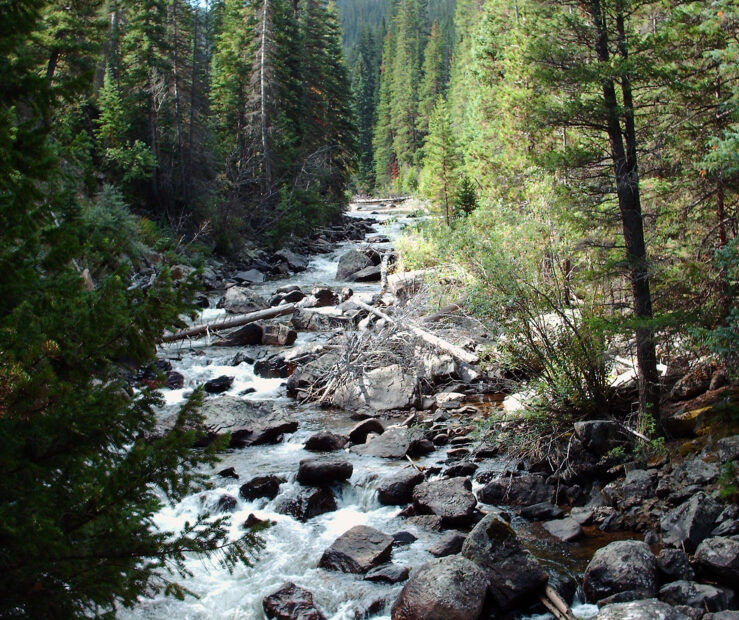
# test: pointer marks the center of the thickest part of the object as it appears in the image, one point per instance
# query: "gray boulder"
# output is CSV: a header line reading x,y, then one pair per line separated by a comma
x,y
450,498
251,276
381,389
541,511
325,441
360,431
291,602
449,544
451,588
513,574
718,557
651,609
261,486
622,566
728,449
296,262
697,595
600,436
241,300
398,488
350,263
306,504
674,564
319,471
392,444
517,491
358,550
388,573
691,522
566,529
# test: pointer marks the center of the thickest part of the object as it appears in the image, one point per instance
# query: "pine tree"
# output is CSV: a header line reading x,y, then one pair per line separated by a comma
x,y
433,81
382,139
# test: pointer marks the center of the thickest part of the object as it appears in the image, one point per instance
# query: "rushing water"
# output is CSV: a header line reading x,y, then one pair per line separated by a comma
x,y
293,549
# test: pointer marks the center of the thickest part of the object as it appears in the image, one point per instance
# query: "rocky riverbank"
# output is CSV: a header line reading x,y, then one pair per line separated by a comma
x,y
459,527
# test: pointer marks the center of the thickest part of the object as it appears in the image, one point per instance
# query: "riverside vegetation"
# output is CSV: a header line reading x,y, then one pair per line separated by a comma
x,y
553,345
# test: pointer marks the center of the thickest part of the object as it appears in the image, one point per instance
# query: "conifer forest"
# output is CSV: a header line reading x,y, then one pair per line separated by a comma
x,y
369,309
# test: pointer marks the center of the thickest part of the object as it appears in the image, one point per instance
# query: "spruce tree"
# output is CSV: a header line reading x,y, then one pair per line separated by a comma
x,y
433,81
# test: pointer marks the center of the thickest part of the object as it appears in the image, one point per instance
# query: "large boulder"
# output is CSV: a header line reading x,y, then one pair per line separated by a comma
x,y
278,335
697,381
291,602
218,385
398,488
358,550
450,588
308,503
241,300
697,595
688,524
622,566
368,274
250,276
296,262
325,441
380,389
650,609
449,544
566,529
392,444
360,431
674,564
249,334
600,436
512,572
350,263
718,557
261,486
517,491
319,471
450,498
388,573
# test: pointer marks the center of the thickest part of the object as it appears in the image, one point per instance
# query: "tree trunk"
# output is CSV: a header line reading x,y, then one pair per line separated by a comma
x,y
263,95
177,106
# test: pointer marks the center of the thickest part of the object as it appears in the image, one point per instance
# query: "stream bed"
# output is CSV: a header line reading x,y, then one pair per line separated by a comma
x,y
293,548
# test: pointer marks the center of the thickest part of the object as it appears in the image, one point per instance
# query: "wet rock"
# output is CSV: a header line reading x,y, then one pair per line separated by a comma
x,y
311,373
252,522
517,491
368,274
688,524
420,447
541,512
350,263
318,471
291,602
307,503
218,385
249,334
449,544
451,499
565,529
202,301
226,503
513,574
252,276
240,300
403,538
650,609
457,453
229,472
718,557
392,444
697,595
320,297
451,588
360,431
357,550
273,367
325,441
583,515
600,436
296,262
622,566
241,358
380,389
261,486
388,573
673,564
460,469
278,335
398,488
431,523
175,380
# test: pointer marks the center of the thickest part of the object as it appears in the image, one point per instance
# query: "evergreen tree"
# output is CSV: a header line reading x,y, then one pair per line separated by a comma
x,y
385,165
433,81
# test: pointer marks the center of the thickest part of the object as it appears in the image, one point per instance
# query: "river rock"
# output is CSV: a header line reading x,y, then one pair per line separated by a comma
x,y
274,367
718,557
691,522
307,503
432,523
311,374
403,538
175,380
357,550
380,389
728,449
278,335
449,544
218,385
226,503
517,491
241,300
674,564
251,276
566,529
368,274
622,566
466,468
650,609
325,441
318,471
388,573
398,488
296,262
451,588
291,602
541,511
392,444
600,436
451,499
512,572
350,263
261,486
248,335
697,595
360,431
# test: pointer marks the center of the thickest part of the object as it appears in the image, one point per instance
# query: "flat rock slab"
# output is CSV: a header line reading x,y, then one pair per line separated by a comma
x,y
291,602
398,488
451,588
358,550
388,573
451,499
650,609
392,444
566,529
318,471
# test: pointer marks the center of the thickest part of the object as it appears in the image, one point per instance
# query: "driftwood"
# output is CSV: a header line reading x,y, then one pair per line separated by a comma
x,y
554,603
427,337
236,321
446,310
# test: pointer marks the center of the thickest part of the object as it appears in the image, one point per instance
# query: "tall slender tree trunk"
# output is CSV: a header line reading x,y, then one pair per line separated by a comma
x,y
193,92
177,106
263,95
626,175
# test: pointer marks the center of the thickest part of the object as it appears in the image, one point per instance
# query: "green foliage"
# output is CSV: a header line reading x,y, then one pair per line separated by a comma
x,y
729,481
465,201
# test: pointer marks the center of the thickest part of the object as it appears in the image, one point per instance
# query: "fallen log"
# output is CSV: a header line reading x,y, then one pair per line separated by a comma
x,y
228,323
428,337
445,311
